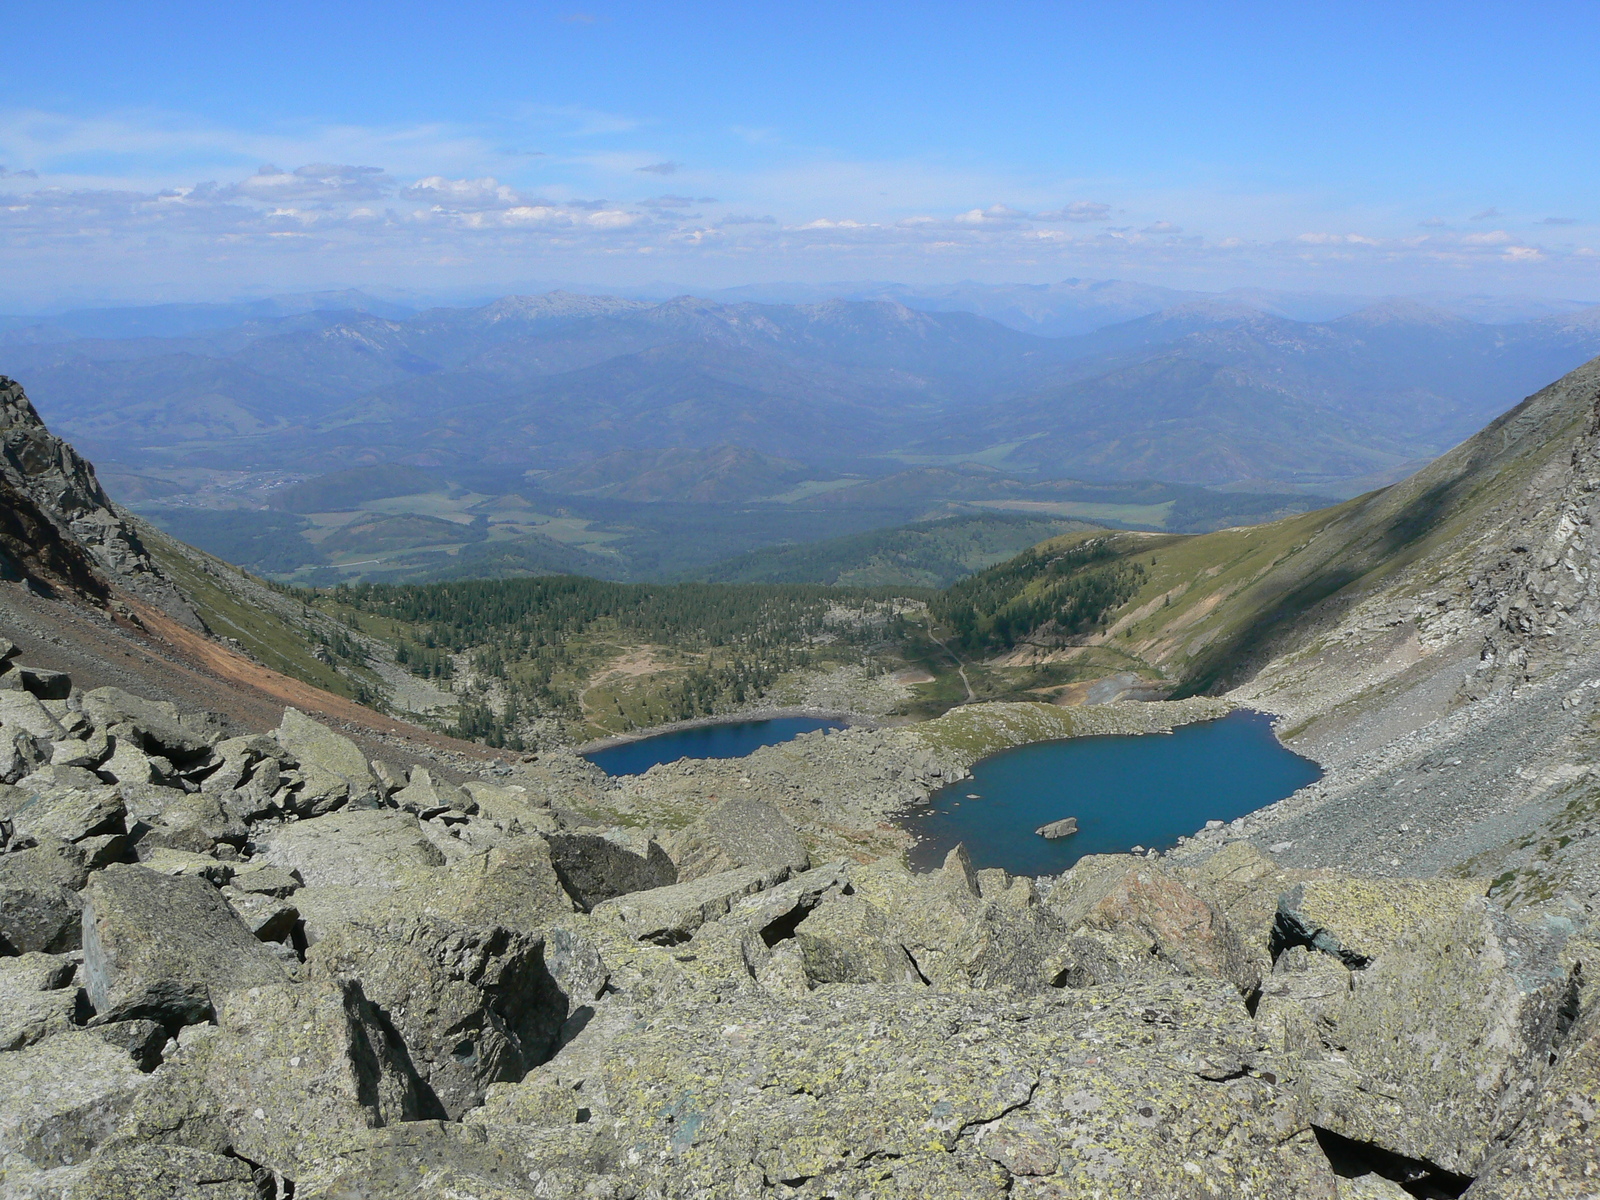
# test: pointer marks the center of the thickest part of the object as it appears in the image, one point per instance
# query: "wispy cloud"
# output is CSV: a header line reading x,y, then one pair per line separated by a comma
x,y
1078,210
676,201
137,197
328,182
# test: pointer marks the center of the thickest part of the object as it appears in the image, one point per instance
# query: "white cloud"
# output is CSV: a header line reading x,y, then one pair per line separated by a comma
x,y
1336,239
675,201
109,204
487,192
316,181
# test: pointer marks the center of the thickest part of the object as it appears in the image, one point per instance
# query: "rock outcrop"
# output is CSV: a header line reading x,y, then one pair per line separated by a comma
x,y
57,525
1065,827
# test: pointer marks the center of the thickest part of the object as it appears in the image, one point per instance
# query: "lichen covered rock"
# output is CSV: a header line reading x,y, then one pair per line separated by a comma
x,y
473,1005
164,947
888,1091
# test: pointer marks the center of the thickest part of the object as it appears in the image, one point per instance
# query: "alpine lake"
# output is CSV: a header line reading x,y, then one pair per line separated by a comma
x,y
730,739
1125,791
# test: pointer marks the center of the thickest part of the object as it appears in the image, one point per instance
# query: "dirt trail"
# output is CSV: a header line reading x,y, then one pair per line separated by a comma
x,y
960,670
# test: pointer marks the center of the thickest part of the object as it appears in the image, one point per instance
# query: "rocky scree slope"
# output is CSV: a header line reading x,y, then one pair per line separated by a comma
x,y
267,965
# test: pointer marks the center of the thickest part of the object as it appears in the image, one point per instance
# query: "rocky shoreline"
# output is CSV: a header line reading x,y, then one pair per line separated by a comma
x,y
846,790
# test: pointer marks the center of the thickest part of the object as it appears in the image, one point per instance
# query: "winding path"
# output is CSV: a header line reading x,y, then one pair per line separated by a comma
x,y
960,670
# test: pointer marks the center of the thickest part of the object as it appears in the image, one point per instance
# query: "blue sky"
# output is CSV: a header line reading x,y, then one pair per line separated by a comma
x,y
193,150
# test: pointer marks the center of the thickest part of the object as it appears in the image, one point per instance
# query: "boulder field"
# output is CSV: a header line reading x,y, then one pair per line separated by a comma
x,y
235,968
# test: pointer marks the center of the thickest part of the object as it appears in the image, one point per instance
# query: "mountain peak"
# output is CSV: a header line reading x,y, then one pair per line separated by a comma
x,y
1401,311
557,305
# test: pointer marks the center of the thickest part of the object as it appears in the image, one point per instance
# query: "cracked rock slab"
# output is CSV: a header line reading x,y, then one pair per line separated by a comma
x,y
63,1097
1443,1040
35,999
738,833
39,904
288,1071
1554,1154
1163,1089
474,1005
372,848
668,915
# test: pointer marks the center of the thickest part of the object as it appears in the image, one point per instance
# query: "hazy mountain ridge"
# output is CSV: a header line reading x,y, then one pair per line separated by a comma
x,y
1276,398
1205,391
544,378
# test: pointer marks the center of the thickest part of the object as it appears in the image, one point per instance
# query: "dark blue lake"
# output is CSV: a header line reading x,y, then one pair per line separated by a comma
x,y
733,740
1146,791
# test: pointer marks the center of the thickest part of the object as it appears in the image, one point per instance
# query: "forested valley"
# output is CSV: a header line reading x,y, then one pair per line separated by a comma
x,y
532,661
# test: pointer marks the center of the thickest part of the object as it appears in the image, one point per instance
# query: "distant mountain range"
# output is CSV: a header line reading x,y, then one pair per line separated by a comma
x,y
1078,306
1202,392
1064,309
337,435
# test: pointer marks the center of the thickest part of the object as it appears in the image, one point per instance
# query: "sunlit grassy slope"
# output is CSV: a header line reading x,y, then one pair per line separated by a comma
x,y
276,630
1210,608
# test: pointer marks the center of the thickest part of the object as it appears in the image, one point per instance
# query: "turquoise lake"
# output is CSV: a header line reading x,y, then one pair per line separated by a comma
x,y
732,740
1146,791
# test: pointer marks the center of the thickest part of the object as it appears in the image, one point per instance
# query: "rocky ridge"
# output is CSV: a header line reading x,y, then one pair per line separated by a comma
x,y
63,525
1449,689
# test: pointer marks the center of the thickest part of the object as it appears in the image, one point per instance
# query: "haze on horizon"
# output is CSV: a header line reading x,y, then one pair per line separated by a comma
x,y
190,151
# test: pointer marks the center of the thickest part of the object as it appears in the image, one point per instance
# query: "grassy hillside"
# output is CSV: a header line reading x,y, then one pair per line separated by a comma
x,y
277,628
